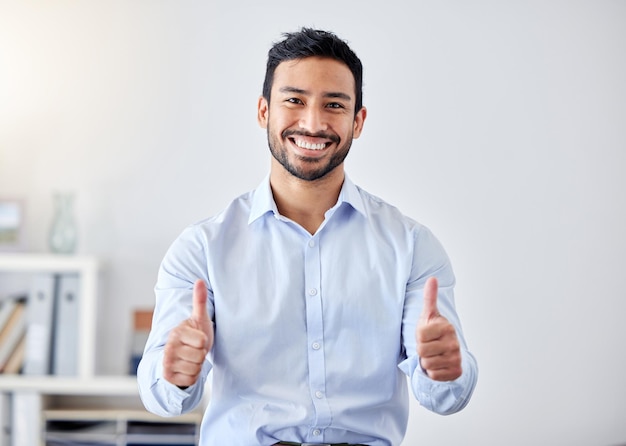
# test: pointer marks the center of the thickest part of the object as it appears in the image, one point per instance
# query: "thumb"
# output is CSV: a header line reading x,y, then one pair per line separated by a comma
x,y
430,311
199,312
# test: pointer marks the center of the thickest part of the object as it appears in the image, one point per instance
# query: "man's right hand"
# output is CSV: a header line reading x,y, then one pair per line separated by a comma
x,y
188,344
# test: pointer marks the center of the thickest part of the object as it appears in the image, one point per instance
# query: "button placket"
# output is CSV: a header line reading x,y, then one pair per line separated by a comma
x,y
315,334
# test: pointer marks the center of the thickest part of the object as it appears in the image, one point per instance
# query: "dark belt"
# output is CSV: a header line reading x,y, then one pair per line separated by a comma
x,y
289,443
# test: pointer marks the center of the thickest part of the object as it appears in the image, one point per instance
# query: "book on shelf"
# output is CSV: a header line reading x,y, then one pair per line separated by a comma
x,y
7,305
15,362
142,322
12,332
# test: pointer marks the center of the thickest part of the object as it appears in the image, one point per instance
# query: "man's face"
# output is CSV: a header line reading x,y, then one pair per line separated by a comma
x,y
310,120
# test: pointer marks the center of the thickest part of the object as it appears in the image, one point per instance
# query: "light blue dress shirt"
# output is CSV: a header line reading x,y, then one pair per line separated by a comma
x,y
314,334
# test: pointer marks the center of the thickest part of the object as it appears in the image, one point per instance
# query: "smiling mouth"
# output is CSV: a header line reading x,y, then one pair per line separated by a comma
x,y
307,145
310,141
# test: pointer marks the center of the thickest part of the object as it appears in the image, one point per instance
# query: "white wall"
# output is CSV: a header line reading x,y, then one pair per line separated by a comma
x,y
500,125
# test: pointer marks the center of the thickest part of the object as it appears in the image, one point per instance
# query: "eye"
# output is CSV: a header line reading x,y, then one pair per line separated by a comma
x,y
294,101
335,105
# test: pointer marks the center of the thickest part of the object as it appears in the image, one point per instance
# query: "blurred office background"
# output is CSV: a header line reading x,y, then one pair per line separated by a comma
x,y
500,125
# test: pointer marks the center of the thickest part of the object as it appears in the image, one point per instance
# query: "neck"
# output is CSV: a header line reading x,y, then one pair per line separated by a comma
x,y
305,202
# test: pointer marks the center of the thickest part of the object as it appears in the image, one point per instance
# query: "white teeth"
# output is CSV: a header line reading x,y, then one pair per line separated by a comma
x,y
309,146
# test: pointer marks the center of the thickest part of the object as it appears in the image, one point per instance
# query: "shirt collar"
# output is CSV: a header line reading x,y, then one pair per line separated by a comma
x,y
263,200
350,194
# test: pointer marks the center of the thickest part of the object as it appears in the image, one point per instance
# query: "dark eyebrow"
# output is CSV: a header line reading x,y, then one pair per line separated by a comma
x,y
343,96
336,95
292,90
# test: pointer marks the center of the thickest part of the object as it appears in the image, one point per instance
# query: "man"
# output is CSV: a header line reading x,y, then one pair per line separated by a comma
x,y
309,299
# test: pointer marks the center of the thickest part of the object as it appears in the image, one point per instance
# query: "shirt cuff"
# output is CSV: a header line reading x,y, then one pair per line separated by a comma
x,y
443,397
173,396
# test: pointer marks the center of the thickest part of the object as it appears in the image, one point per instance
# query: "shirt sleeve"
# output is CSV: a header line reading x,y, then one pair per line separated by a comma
x,y
184,263
430,259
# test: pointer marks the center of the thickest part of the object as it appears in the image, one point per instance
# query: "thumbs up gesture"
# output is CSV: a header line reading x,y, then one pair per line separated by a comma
x,y
188,344
437,343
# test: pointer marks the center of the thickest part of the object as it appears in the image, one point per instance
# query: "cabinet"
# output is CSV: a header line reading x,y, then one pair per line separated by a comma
x,y
47,410
118,427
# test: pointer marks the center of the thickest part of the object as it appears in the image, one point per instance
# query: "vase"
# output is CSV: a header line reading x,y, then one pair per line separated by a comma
x,y
63,235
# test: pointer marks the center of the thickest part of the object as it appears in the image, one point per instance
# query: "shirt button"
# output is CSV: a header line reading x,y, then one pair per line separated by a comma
x,y
317,432
312,291
319,395
316,346
311,243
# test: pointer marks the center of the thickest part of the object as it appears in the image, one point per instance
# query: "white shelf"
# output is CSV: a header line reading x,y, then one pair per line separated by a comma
x,y
87,268
27,393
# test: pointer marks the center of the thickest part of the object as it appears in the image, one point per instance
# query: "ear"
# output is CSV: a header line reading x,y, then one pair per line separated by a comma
x,y
262,112
359,119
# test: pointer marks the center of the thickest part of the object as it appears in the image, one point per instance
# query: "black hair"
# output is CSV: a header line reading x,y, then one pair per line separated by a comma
x,y
309,43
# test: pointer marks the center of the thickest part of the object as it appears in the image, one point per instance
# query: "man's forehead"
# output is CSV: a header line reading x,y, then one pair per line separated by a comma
x,y
296,73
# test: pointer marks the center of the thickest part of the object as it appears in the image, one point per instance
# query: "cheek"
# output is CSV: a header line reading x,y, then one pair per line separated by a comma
x,y
348,130
279,122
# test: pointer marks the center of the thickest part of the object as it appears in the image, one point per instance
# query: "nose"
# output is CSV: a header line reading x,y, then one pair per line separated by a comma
x,y
313,120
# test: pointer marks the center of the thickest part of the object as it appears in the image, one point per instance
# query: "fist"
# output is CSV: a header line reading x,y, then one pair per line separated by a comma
x,y
188,344
437,343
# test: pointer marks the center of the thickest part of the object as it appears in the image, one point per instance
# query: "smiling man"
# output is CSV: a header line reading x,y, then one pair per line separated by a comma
x,y
309,299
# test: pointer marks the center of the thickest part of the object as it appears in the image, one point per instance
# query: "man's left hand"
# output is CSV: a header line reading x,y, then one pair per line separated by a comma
x,y
437,343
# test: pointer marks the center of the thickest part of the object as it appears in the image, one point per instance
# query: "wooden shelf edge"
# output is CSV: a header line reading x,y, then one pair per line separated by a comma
x,y
46,262
58,385
118,414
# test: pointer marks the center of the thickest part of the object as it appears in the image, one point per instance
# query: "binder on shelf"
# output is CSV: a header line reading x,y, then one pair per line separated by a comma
x,y
65,336
25,410
5,419
39,325
12,332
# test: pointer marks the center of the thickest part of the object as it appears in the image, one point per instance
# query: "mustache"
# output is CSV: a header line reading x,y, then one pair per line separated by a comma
x,y
290,132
